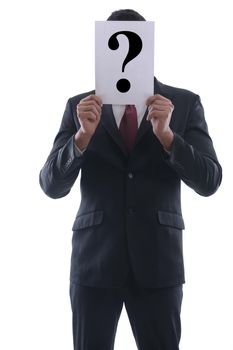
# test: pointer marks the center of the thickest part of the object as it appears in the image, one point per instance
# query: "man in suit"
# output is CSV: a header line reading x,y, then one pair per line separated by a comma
x,y
127,235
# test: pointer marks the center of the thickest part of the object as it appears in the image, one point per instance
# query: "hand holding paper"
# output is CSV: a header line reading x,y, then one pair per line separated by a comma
x,y
88,113
159,113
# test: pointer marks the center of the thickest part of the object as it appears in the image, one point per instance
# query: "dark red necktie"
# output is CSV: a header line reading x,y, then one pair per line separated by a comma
x,y
129,126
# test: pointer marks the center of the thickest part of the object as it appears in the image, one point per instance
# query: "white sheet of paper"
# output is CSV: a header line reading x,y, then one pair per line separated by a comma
x,y
109,62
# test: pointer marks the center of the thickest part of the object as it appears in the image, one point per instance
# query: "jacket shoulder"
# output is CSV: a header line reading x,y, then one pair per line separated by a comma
x,y
178,92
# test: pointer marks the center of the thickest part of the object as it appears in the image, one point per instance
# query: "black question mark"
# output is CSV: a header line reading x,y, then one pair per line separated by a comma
x,y
135,47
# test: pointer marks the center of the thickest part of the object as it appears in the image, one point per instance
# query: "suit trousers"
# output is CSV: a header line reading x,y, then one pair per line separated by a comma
x,y
154,315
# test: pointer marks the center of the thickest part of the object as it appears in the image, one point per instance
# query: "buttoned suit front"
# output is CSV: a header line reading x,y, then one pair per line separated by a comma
x,y
130,210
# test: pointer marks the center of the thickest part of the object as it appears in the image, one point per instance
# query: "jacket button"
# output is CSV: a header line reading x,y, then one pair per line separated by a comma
x,y
130,175
131,211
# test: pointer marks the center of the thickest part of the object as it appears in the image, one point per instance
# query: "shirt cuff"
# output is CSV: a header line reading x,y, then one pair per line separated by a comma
x,y
77,151
171,147
168,152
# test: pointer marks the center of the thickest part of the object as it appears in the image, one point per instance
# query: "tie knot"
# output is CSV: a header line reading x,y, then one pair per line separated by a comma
x,y
130,114
130,109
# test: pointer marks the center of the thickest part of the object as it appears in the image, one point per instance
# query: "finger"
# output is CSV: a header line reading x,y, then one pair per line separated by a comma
x,y
89,106
90,101
156,107
86,106
156,97
156,115
90,116
163,106
92,97
161,102
83,112
159,114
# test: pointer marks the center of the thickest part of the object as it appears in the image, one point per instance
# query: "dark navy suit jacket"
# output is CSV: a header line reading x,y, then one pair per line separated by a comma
x,y
130,210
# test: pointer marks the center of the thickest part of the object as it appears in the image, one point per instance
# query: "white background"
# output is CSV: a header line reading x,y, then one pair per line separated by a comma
x,y
47,55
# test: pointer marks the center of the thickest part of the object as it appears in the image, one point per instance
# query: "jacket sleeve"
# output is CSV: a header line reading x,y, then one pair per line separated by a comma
x,y
62,165
193,156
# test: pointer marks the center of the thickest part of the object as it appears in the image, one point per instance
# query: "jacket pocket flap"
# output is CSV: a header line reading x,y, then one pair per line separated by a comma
x,y
171,219
87,220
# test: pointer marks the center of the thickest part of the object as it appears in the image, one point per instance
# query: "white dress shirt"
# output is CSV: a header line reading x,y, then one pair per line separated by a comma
x,y
119,110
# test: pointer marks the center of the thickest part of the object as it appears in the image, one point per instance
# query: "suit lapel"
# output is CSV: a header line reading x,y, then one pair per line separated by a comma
x,y
109,123
143,128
